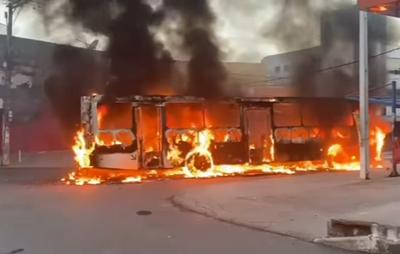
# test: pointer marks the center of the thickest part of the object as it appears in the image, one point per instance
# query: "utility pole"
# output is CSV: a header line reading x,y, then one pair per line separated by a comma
x,y
7,112
364,100
394,172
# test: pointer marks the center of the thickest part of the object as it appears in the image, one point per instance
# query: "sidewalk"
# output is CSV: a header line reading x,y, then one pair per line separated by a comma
x,y
299,206
51,159
38,168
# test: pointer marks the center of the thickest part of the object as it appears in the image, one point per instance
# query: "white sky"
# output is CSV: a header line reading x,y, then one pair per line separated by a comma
x,y
239,28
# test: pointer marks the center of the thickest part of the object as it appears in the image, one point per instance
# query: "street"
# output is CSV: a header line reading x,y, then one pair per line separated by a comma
x,y
46,217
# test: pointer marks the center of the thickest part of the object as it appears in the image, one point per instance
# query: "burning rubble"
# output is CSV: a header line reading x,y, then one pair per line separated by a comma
x,y
144,138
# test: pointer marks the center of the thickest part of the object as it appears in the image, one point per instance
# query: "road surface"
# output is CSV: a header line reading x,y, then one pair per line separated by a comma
x,y
45,217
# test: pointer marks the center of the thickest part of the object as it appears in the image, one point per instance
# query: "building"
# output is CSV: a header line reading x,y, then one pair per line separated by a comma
x,y
34,63
331,69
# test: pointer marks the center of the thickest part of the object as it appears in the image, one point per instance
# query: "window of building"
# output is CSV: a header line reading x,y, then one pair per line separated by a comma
x,y
286,68
277,69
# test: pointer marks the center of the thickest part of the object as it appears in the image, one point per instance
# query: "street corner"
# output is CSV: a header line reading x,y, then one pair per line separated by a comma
x,y
362,236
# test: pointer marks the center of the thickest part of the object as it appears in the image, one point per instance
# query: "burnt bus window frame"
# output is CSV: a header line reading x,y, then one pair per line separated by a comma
x,y
117,148
314,145
160,109
219,146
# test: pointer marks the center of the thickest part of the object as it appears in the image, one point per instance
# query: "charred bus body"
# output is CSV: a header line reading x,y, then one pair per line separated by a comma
x,y
154,132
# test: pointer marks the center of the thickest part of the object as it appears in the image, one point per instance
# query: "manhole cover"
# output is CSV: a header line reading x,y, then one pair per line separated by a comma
x,y
144,213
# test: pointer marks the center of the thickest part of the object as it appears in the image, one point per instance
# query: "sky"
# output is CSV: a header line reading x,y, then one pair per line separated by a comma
x,y
240,28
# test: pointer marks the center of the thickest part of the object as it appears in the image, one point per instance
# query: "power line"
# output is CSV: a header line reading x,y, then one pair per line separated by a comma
x,y
372,89
327,68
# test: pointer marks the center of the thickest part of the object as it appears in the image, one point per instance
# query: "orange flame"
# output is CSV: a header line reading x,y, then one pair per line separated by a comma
x,y
379,8
132,180
272,147
379,142
81,150
200,152
335,150
338,159
199,161
174,155
101,112
101,142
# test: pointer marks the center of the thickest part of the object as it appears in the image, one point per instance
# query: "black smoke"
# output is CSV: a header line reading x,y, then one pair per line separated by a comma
x,y
328,67
139,62
76,73
205,69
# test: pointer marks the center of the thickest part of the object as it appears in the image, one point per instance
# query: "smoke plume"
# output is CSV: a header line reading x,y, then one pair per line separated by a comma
x,y
205,69
139,63
336,23
76,73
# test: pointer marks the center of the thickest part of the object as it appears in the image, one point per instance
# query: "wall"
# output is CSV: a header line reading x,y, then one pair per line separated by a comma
x,y
35,127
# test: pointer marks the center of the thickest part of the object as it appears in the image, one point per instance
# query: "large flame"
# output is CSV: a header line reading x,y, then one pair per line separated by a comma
x,y
335,150
379,143
199,161
339,159
101,142
102,111
81,150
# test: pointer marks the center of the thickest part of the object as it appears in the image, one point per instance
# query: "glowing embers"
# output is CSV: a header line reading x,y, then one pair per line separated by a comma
x,y
96,177
75,179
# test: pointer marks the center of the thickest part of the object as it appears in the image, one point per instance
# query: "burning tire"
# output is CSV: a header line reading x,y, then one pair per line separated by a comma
x,y
200,161
197,162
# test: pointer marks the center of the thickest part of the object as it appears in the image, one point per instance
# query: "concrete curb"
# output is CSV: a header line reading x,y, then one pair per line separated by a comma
x,y
362,236
196,207
367,244
381,239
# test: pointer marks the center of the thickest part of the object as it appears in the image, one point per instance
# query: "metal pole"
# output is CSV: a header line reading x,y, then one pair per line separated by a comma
x,y
7,107
394,141
364,106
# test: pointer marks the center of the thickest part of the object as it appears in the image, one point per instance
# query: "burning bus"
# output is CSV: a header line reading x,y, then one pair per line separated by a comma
x,y
142,137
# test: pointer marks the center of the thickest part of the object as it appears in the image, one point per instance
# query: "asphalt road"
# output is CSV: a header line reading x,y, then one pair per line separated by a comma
x,y
43,217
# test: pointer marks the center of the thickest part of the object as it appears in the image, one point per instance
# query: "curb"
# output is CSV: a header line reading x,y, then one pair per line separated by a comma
x,y
362,236
342,234
205,211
